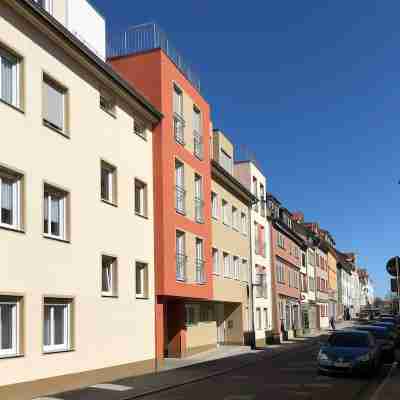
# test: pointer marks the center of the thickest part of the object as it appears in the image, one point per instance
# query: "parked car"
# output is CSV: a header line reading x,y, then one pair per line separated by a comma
x,y
350,351
384,338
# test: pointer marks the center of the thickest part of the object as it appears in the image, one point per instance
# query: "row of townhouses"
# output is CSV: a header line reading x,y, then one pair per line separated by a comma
x,y
129,232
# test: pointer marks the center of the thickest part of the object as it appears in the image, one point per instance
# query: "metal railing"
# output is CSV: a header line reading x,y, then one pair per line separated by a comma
x,y
180,194
179,128
200,275
146,37
198,145
199,209
181,260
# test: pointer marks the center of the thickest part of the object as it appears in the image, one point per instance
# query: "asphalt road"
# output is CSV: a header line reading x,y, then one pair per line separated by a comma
x,y
291,376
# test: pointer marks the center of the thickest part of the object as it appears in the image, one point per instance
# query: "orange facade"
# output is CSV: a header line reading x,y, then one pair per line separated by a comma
x,y
154,74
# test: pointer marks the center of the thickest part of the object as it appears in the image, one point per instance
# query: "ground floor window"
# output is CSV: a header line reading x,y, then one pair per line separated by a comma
x,y
258,319
266,322
9,327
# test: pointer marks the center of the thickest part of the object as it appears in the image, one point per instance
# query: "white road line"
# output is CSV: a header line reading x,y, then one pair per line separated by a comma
x,y
46,398
110,386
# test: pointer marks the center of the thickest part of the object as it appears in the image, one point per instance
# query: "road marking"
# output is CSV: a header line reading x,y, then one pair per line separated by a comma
x,y
235,397
110,386
46,398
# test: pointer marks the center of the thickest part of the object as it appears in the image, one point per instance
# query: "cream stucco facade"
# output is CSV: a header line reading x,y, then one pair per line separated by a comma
x,y
35,267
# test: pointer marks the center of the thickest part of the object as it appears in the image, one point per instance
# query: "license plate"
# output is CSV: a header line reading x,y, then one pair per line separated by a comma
x,y
341,365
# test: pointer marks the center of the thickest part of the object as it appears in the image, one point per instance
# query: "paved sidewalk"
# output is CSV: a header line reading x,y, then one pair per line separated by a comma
x,y
390,388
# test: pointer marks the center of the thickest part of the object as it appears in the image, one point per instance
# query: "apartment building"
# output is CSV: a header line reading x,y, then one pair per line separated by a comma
x,y
250,175
231,252
286,247
77,223
332,275
344,270
185,312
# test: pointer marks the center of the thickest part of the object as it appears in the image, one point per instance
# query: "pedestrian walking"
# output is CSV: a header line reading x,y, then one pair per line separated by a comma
x,y
332,323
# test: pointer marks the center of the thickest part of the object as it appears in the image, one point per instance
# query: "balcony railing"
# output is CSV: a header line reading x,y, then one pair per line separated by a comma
x,y
200,275
179,129
146,37
180,194
198,145
181,260
199,210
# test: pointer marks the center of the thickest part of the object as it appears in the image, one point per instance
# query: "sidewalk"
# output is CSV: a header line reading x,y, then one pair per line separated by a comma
x,y
390,388
179,373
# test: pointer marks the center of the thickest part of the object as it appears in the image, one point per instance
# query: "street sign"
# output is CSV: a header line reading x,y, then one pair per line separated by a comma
x,y
392,265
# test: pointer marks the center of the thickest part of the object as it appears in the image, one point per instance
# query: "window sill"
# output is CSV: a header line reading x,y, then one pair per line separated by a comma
x,y
110,203
142,297
12,229
109,296
6,103
53,128
181,212
49,352
141,215
56,239
9,356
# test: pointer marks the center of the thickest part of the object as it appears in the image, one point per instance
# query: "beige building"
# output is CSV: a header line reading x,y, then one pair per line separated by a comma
x,y
76,228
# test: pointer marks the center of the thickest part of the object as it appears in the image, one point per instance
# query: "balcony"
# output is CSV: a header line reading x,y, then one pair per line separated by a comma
x,y
179,129
199,210
147,37
200,275
180,194
198,145
181,260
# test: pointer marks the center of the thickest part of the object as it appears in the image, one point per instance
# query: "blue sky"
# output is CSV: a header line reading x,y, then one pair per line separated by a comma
x,y
312,88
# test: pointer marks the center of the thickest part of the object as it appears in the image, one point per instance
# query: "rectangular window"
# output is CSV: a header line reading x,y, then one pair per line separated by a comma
x,y
226,211
200,274
57,325
140,198
10,199
142,280
245,271
198,198
180,192
107,104
255,192
280,272
266,323
281,241
258,319
54,104
108,183
179,122
256,238
9,78
55,212
236,268
139,128
108,276
214,204
215,257
9,326
244,224
262,200
227,264
197,133
180,256
235,218
226,161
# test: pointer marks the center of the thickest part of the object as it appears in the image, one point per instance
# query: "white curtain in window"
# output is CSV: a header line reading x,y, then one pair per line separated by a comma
x,y
53,105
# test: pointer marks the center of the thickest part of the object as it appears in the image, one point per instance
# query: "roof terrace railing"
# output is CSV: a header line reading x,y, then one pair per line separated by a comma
x,y
146,37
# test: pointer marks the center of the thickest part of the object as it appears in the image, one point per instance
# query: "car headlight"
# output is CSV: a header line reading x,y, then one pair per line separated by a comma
x,y
322,356
364,358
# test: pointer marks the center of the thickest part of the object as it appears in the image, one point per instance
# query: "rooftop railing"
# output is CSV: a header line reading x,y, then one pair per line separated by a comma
x,y
146,37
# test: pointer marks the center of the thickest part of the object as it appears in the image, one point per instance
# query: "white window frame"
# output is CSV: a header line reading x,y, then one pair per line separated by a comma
x,y
225,210
16,200
142,269
214,205
281,240
245,270
266,319
216,261
281,272
226,264
15,76
14,350
236,268
63,212
258,319
235,219
143,206
51,348
111,182
244,224
111,276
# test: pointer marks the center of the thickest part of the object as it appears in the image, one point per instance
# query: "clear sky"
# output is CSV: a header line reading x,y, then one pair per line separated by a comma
x,y
311,88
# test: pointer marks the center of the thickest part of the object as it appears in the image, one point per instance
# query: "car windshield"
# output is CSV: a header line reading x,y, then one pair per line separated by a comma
x,y
348,340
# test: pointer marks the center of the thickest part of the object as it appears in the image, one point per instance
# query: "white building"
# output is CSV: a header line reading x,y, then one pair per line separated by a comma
x,y
253,179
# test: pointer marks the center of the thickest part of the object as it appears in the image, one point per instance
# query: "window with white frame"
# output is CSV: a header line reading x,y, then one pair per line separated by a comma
x,y
226,213
197,133
55,212
10,199
226,161
281,240
236,268
244,223
9,78
142,279
280,272
180,191
235,218
311,283
198,198
9,326
108,275
57,325
54,104
179,122
258,319
266,322
108,183
214,205
140,198
245,270
215,257
227,264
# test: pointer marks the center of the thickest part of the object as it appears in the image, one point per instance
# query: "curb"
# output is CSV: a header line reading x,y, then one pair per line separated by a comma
x,y
378,391
308,343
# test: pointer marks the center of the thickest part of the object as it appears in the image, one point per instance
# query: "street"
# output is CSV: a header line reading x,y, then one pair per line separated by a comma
x,y
290,376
